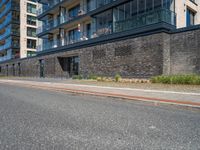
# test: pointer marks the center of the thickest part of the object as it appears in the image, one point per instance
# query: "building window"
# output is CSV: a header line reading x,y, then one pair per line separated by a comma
x,y
41,61
31,53
31,20
31,43
190,17
31,8
31,32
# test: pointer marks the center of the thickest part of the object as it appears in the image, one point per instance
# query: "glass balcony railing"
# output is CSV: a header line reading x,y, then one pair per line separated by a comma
x,y
65,41
48,6
93,4
152,17
62,19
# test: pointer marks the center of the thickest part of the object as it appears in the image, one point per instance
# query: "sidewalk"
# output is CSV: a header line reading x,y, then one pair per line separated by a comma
x,y
150,95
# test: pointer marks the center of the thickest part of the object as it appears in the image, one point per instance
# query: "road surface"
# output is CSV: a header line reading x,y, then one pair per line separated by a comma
x,y
36,119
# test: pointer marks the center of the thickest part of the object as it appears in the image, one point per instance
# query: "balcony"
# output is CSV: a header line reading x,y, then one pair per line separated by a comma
x,y
48,6
131,24
8,19
7,44
10,5
152,17
92,5
61,20
9,31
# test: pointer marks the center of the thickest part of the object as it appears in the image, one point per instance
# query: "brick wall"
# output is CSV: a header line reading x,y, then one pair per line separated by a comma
x,y
144,56
185,52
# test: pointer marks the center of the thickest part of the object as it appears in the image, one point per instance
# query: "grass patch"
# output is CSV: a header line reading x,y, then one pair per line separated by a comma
x,y
177,79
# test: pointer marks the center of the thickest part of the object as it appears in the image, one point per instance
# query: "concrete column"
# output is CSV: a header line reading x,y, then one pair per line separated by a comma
x,y
83,6
62,37
93,27
166,54
62,15
55,40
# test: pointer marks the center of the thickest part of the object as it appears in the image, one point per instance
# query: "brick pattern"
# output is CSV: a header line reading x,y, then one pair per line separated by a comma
x,y
185,52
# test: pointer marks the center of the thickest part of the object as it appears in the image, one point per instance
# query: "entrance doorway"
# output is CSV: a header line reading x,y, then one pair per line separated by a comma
x,y
41,68
70,65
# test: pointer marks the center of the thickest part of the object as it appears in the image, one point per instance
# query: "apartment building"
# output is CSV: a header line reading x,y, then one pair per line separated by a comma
x,y
65,22
17,29
188,12
133,38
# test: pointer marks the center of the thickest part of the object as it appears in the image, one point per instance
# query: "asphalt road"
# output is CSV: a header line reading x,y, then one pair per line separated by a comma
x,y
35,119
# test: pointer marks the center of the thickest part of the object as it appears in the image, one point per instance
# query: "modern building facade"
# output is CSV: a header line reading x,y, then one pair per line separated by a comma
x,y
188,12
133,38
17,29
65,22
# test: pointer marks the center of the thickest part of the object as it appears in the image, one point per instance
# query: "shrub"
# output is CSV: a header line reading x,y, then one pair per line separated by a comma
x,y
92,77
117,78
177,79
77,77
